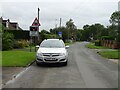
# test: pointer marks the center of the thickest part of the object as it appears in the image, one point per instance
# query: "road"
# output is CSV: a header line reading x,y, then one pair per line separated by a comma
x,y
86,69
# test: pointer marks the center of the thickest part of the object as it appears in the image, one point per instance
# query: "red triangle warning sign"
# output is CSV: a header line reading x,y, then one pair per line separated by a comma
x,y
36,22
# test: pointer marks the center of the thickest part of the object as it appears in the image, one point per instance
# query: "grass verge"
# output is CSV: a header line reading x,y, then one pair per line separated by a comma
x,y
92,46
68,43
17,58
110,54
0,58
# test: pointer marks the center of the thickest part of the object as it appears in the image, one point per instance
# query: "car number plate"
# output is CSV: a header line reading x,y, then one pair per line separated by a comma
x,y
50,59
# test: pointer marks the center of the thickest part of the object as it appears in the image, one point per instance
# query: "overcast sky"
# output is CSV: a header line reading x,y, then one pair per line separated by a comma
x,y
81,11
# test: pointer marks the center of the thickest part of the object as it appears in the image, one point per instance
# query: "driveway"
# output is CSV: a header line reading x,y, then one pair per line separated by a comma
x,y
86,69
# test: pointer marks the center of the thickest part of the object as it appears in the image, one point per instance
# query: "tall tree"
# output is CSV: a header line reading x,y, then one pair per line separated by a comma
x,y
86,32
115,27
115,18
94,31
71,28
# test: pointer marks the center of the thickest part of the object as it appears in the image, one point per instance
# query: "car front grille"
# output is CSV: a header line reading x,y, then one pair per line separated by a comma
x,y
51,54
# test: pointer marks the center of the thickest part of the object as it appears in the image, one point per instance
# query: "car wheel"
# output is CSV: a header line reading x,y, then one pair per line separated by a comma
x,y
65,63
37,63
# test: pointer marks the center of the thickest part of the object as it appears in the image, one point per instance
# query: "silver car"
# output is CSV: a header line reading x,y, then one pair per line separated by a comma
x,y
52,51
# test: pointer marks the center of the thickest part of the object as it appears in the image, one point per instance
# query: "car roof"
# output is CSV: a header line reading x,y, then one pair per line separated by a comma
x,y
60,40
54,39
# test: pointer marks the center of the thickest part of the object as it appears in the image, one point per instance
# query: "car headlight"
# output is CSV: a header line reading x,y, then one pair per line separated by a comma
x,y
62,54
39,54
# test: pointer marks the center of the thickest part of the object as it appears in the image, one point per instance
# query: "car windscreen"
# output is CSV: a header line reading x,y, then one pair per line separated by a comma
x,y
52,44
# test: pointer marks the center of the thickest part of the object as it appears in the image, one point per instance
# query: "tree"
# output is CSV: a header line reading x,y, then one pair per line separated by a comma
x,y
45,31
61,29
112,31
99,29
70,25
85,27
71,28
86,33
94,32
115,27
68,32
79,34
7,41
51,30
115,17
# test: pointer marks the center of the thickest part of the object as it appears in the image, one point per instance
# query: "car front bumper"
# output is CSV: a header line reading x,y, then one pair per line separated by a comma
x,y
60,59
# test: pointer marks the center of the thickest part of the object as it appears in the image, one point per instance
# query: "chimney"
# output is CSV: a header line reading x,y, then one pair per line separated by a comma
x,y
8,20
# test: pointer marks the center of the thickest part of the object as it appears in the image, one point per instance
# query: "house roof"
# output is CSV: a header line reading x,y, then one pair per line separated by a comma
x,y
11,25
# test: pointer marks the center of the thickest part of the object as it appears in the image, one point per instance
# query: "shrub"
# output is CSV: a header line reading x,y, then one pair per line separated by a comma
x,y
21,43
97,43
19,34
7,41
107,38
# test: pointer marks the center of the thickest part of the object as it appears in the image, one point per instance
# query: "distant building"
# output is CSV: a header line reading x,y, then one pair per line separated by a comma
x,y
9,25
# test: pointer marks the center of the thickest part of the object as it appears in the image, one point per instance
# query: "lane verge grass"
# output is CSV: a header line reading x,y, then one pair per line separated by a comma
x,y
17,58
68,43
105,52
92,46
110,54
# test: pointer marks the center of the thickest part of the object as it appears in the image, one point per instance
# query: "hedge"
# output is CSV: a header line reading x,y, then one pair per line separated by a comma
x,y
107,38
19,34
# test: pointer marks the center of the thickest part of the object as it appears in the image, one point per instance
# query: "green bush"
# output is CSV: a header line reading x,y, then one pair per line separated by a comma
x,y
19,34
7,41
107,38
0,27
21,43
97,43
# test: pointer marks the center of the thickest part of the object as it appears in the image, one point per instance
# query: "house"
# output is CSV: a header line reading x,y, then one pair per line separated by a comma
x,y
9,25
13,27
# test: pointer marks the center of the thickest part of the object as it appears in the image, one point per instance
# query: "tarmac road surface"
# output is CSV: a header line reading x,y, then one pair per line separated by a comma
x,y
86,69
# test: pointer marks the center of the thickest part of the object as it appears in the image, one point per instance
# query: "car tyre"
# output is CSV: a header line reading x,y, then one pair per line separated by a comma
x,y
65,63
38,64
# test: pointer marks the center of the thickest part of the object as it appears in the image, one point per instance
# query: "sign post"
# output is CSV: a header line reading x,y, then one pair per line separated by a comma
x,y
34,31
60,34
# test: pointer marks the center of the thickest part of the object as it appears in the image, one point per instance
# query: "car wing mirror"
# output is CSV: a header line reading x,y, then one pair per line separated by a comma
x,y
37,46
67,47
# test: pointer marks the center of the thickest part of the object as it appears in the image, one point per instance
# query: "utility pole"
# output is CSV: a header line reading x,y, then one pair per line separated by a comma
x,y
60,36
60,22
55,27
37,38
55,23
38,26
38,13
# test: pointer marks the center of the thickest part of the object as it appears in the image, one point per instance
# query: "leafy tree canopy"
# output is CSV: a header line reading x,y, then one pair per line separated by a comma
x,y
115,17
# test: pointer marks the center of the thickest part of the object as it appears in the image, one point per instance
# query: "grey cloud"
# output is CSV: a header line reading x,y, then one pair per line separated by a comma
x,y
81,11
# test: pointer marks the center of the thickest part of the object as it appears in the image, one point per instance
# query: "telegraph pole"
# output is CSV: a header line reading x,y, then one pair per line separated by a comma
x,y
60,22
55,28
55,23
37,41
38,13
38,20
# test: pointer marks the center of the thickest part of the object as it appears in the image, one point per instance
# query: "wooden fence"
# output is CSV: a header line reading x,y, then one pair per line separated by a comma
x,y
110,44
